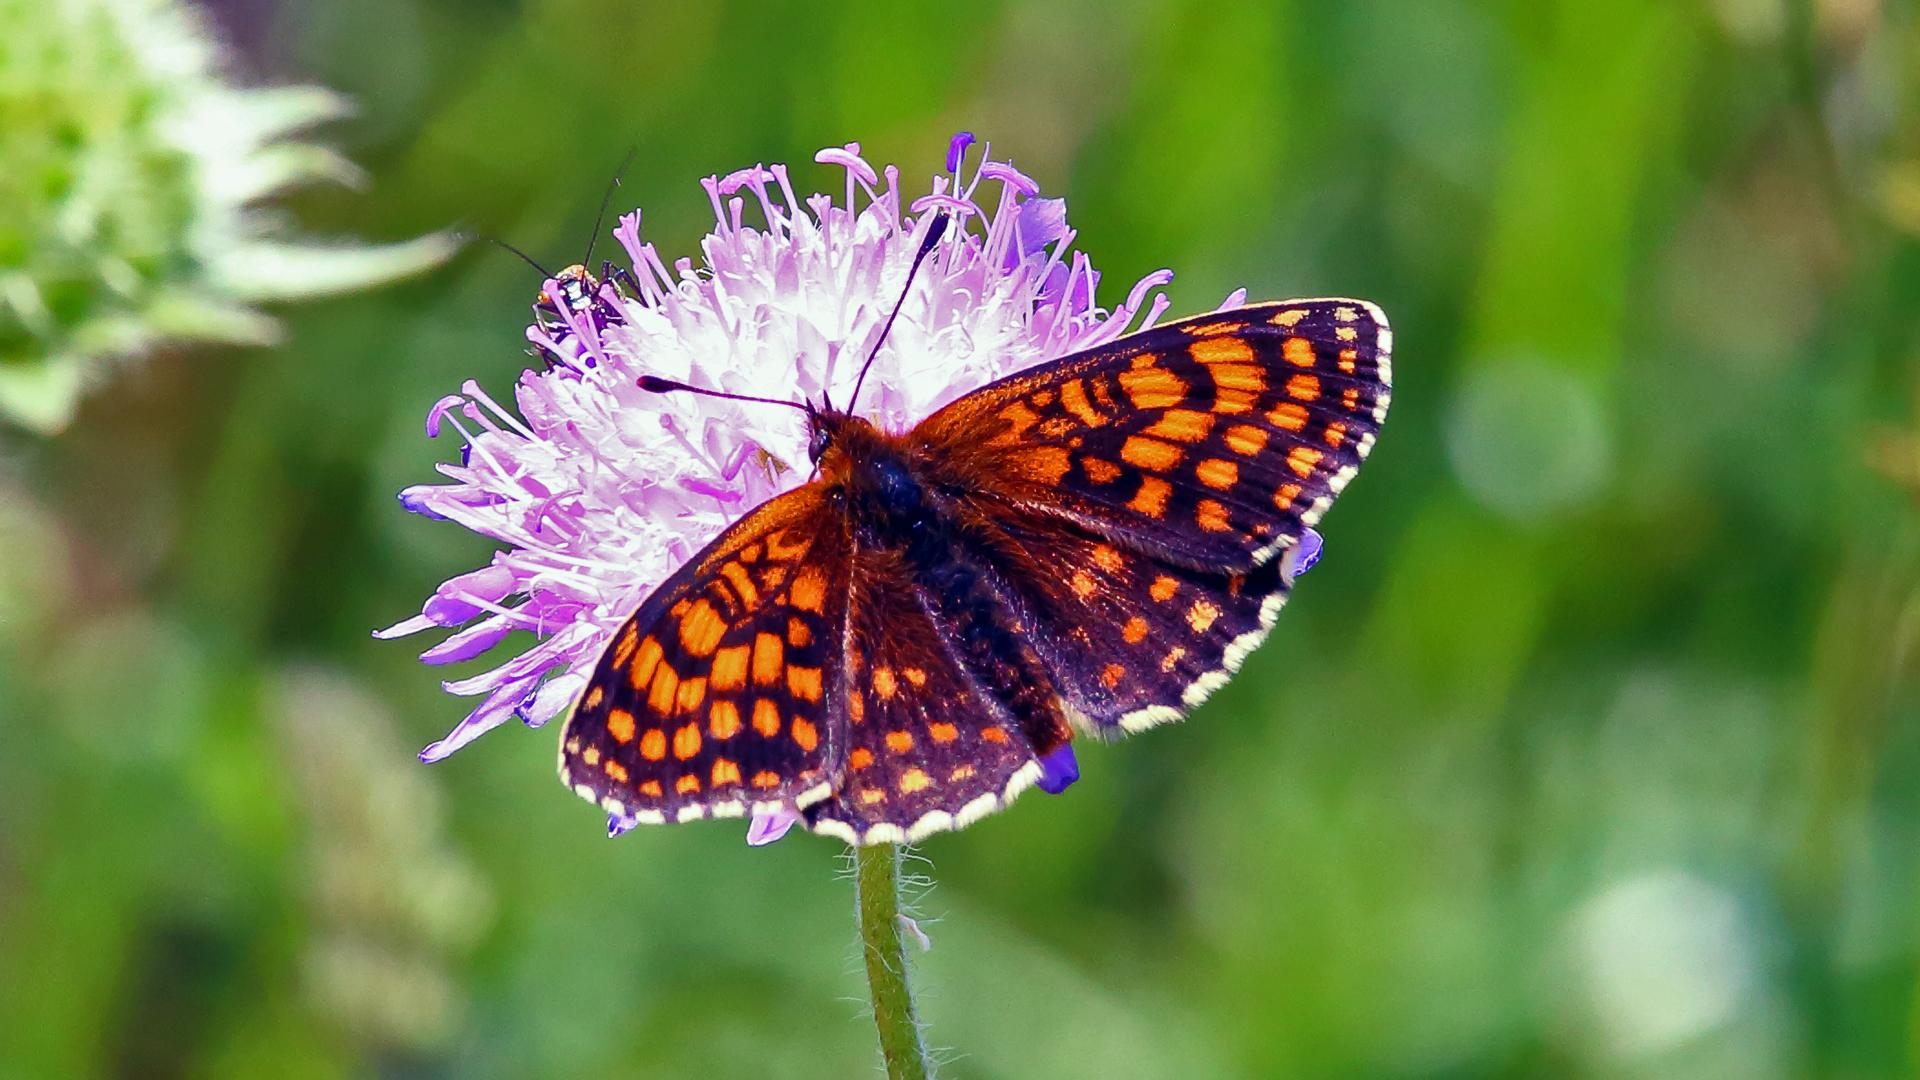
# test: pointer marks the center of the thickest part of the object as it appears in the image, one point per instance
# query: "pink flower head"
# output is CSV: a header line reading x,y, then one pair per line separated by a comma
x,y
600,490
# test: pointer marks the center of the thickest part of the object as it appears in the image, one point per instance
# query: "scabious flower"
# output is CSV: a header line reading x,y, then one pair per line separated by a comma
x,y
601,490
128,214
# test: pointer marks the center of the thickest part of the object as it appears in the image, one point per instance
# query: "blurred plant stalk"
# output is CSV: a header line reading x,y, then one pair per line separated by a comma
x,y
128,217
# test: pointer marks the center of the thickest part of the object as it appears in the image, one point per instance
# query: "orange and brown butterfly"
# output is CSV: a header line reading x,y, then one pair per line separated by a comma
x,y
1089,546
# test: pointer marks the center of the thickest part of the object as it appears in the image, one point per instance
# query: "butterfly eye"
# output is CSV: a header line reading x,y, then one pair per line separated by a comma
x,y
817,445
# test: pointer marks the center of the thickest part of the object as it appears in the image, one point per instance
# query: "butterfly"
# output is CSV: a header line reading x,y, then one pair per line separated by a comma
x,y
1093,544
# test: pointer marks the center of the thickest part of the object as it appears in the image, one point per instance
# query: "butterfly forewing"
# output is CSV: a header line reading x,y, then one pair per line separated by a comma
x,y
1215,441
713,696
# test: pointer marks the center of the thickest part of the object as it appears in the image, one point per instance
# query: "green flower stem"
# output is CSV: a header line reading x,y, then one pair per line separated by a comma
x,y
877,881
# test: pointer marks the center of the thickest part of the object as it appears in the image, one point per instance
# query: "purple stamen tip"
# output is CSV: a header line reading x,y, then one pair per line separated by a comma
x,y
957,150
770,825
1300,557
1059,770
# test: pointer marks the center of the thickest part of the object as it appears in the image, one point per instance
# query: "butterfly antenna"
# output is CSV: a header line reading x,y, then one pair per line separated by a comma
x,y
654,384
934,232
601,218
528,259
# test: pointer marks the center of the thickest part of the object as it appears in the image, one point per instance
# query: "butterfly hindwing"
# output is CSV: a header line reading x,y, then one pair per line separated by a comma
x,y
1214,441
929,748
713,696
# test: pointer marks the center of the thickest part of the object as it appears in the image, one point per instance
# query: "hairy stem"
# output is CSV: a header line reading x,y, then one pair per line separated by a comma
x,y
877,879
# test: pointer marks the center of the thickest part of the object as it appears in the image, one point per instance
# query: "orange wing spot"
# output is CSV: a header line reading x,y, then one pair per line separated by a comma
x,y
680,609
1042,398
856,706
730,668
1110,675
1172,659
1235,583
1241,377
899,741
1163,588
1336,434
620,726
809,592
692,693
914,780
1211,516
799,634
963,772
883,683
687,784
1084,585
1289,416
916,676
765,779
1221,350
725,772
686,742
1135,631
1210,329
653,745
1151,499
1347,333
650,787
772,576
1298,351
1233,402
1046,464
1056,426
641,673
749,554
616,771
1019,418
629,638
804,734
1106,558
769,656
666,684
1242,439
1151,454
1073,398
766,718
1347,357
860,758
1103,394
1145,361
1181,425
593,699
1345,314
1100,472
869,796
1216,474
786,552
994,734
1288,317
591,755
1304,388
701,629
803,682
943,733
1201,615
723,720
1302,459
1153,388
1350,398
1285,496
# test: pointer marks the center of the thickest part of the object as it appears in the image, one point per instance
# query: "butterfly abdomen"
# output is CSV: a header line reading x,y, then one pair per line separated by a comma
x,y
899,513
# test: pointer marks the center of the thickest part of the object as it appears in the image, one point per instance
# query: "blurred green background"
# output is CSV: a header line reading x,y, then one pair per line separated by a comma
x,y
1590,750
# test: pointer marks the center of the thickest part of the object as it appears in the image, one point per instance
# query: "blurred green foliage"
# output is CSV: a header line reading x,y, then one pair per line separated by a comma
x,y
1590,750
